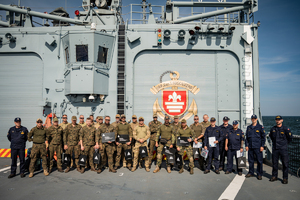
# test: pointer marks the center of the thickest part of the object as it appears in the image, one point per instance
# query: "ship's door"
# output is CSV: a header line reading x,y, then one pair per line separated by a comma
x,y
21,81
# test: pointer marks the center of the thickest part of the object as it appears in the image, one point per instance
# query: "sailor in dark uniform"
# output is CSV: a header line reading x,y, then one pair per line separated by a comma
x,y
281,136
234,142
226,128
17,135
255,142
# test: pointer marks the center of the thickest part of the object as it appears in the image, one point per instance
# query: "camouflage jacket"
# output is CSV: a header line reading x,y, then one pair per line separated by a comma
x,y
198,129
124,129
54,135
166,132
176,127
105,129
88,135
82,125
63,125
37,135
205,125
134,125
153,126
115,124
71,134
185,133
97,125
141,132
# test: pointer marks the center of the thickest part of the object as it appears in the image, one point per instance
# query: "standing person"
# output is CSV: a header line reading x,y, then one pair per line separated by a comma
x,y
133,125
81,121
213,132
109,147
87,142
115,123
123,128
71,142
255,142
199,134
65,122
17,135
153,126
38,135
176,124
92,120
185,131
234,141
99,123
205,123
54,139
281,136
166,132
226,128
141,134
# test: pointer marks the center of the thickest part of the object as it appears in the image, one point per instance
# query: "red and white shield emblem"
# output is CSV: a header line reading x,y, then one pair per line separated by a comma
x,y
174,101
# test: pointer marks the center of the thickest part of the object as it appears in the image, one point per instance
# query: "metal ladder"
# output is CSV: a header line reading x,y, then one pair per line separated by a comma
x,y
121,71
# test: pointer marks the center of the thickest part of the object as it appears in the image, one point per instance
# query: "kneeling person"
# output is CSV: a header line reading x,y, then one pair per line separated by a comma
x,y
234,142
166,132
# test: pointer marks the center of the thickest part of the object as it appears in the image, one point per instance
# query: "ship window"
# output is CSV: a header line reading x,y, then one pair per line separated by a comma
x,y
67,55
82,53
102,54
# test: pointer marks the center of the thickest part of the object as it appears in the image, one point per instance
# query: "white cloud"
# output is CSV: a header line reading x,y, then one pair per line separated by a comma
x,y
270,75
273,61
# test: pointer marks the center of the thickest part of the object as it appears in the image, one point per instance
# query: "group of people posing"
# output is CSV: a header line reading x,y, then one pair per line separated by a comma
x,y
85,137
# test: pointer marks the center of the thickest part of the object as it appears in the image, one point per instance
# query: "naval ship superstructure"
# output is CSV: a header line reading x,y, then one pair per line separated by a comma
x,y
165,62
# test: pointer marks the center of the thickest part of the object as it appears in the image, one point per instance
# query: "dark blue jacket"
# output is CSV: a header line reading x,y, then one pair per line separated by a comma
x,y
280,137
225,130
235,138
17,137
213,132
255,136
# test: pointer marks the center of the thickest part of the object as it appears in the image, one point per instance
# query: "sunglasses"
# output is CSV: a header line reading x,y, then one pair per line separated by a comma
x,y
64,118
107,120
141,120
39,122
81,118
196,118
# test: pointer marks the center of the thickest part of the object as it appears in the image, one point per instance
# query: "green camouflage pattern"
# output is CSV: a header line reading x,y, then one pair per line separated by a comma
x,y
89,152
108,147
54,135
71,134
88,135
37,135
58,149
189,153
38,149
159,152
120,152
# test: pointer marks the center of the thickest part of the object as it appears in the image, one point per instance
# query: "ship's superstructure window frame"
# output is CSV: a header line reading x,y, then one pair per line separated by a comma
x,y
102,54
82,53
67,55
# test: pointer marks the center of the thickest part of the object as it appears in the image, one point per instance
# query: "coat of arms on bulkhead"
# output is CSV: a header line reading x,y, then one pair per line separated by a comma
x,y
174,101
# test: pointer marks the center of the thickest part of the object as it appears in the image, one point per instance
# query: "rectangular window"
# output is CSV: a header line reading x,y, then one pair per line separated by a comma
x,y
67,55
102,54
82,53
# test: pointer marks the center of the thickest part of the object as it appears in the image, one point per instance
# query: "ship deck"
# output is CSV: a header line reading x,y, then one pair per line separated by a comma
x,y
142,185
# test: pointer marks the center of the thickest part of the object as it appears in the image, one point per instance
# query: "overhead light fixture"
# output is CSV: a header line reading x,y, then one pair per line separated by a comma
x,y
231,27
221,27
181,33
210,27
91,98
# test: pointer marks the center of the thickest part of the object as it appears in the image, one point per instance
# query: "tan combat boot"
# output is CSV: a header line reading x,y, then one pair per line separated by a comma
x,y
93,169
30,175
46,173
133,169
60,170
192,171
156,169
82,170
147,169
112,170
68,169
181,170
124,165
169,169
99,171
78,168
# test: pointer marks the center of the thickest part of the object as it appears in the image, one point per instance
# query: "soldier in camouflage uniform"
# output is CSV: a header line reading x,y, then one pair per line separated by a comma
x,y
99,123
141,133
153,126
64,123
54,139
81,121
38,136
133,125
176,124
115,124
87,136
185,131
166,132
199,134
109,147
123,128
206,123
92,119
71,141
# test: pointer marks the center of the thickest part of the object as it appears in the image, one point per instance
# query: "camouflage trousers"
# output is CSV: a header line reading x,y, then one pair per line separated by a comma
x,y
152,143
38,149
110,149
73,149
89,152
159,153
189,153
58,149
103,158
136,152
121,147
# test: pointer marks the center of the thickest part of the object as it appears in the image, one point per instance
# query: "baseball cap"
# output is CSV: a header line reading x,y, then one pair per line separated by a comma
x,y
134,116
212,119
154,115
176,117
278,117
17,119
117,116
253,117
74,118
55,120
123,116
141,118
183,121
235,122
226,118
167,117
39,120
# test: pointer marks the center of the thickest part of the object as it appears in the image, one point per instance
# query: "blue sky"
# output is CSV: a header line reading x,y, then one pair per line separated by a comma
x,y
278,49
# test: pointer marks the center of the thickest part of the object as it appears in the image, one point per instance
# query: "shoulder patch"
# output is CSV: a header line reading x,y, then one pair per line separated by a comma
x,y
290,133
257,131
22,133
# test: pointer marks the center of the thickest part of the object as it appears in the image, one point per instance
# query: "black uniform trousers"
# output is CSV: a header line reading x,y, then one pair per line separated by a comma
x,y
14,158
284,156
